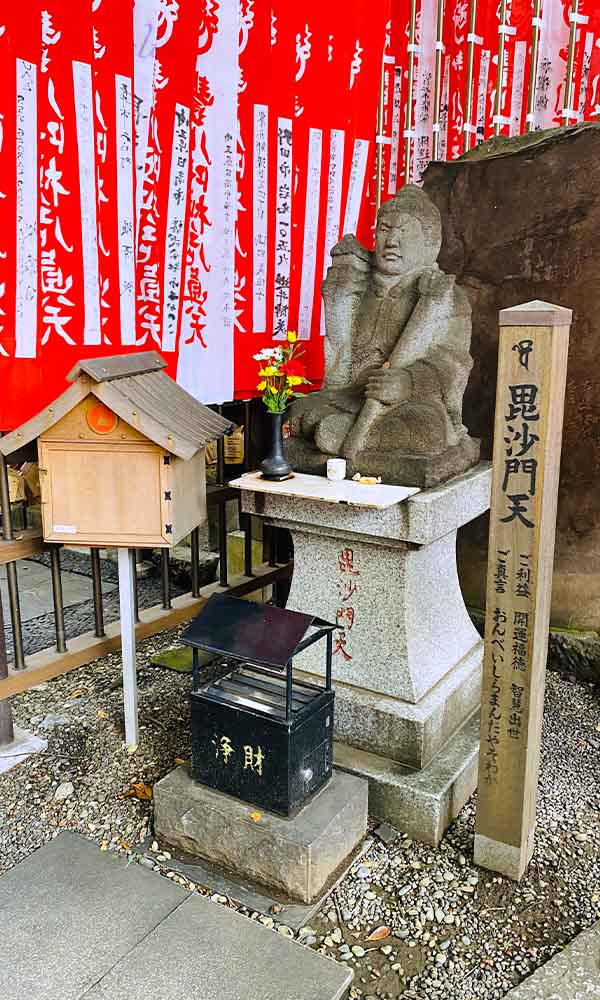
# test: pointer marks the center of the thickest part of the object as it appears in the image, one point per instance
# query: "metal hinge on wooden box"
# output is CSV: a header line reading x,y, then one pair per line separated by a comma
x,y
259,733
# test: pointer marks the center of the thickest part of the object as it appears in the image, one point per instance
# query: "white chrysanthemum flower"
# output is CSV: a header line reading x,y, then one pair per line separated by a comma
x,y
269,353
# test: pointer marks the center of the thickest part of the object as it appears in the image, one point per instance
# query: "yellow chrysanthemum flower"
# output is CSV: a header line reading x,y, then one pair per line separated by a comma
x,y
261,385
273,389
292,336
294,380
268,372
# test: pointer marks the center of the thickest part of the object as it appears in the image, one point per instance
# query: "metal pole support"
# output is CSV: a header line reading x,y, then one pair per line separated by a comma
x,y
128,646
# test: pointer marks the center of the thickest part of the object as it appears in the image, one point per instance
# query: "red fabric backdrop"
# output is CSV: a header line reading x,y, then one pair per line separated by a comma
x,y
173,175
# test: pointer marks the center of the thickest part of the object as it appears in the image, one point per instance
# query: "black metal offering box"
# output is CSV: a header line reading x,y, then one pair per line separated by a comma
x,y
259,733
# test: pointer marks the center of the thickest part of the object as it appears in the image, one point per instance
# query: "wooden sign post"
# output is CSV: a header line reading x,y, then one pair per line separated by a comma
x,y
534,342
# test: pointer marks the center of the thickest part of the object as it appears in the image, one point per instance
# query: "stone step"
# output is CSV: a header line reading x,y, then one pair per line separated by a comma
x,y
78,923
423,802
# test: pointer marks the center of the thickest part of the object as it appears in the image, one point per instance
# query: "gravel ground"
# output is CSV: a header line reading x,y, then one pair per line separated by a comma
x,y
445,928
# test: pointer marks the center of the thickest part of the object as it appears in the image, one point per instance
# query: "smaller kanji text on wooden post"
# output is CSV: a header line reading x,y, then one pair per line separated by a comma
x,y
532,365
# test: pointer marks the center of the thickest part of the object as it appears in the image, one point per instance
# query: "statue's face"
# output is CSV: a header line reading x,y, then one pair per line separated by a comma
x,y
399,244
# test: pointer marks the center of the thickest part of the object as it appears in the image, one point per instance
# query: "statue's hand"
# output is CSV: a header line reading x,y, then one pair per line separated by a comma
x,y
389,386
350,268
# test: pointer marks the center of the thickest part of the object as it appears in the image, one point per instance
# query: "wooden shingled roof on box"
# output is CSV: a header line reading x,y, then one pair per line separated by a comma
x,y
136,388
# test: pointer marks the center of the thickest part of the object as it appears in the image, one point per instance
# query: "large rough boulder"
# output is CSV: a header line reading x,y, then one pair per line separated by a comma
x,y
522,221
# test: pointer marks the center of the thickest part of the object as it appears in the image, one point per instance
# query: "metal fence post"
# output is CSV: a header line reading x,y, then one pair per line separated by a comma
x,y
11,569
57,597
6,722
97,591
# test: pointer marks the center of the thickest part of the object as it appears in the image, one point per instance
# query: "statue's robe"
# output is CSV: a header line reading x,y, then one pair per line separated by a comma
x,y
419,324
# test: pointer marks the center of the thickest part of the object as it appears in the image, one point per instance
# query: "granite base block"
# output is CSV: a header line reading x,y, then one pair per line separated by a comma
x,y
296,857
421,803
389,576
408,733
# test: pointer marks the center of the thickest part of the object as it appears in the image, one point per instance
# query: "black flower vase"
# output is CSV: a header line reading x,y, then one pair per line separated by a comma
x,y
275,465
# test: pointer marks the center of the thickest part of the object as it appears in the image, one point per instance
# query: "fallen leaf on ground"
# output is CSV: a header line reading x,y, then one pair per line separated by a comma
x,y
138,791
180,760
379,934
102,713
256,817
77,693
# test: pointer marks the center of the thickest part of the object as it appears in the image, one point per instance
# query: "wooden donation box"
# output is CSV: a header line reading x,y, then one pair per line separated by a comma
x,y
121,455
258,733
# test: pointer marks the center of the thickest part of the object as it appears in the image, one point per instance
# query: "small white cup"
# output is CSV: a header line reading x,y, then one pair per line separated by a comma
x,y
336,469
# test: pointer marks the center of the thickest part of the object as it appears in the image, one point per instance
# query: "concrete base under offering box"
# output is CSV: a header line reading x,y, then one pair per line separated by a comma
x,y
407,658
295,857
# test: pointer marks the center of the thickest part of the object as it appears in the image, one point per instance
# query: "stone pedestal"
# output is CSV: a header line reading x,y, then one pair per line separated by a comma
x,y
297,858
407,659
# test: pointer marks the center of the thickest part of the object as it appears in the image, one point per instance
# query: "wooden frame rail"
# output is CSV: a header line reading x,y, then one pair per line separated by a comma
x,y
25,544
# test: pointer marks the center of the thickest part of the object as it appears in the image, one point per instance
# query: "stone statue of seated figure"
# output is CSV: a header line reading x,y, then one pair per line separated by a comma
x,y
397,361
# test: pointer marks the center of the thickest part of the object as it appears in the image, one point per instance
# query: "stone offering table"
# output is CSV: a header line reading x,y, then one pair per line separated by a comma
x,y
381,560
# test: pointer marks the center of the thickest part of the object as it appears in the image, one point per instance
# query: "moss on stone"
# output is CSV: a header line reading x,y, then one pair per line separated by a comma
x,y
179,658
507,146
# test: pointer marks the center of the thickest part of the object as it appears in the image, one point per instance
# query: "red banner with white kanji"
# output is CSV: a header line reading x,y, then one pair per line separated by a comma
x,y
174,175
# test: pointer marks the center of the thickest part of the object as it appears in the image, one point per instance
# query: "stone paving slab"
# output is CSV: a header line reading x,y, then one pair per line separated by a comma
x,y
203,951
79,923
69,913
573,974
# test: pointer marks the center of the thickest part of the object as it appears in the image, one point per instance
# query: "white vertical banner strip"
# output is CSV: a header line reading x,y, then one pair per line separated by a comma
x,y
422,144
444,107
396,114
283,228
84,109
356,184
518,87
482,83
585,74
311,226
334,201
259,215
334,193
27,202
125,208
551,67
205,369
176,212
145,25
